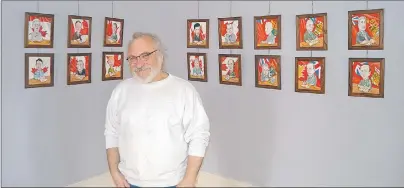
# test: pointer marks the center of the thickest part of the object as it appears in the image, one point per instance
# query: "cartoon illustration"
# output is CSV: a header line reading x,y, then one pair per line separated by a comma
x,y
366,76
79,31
39,30
267,30
79,68
197,67
230,69
310,74
39,70
267,71
311,31
112,65
230,33
113,32
365,29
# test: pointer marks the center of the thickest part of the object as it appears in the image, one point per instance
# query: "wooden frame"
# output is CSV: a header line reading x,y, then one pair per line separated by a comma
x,y
203,70
204,30
261,38
318,38
273,65
110,24
375,77
229,21
114,60
237,77
75,76
40,77
375,33
83,39
318,68
44,24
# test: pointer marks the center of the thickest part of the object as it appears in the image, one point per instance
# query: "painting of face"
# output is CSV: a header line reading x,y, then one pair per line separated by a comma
x,y
267,32
145,61
230,33
78,68
38,30
113,35
268,71
39,70
112,68
79,32
311,32
230,69
366,77
366,29
197,67
310,75
198,33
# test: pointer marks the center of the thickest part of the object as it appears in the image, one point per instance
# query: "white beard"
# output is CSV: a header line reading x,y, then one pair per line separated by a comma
x,y
148,79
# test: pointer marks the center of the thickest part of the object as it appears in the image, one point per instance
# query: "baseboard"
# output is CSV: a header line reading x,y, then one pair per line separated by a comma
x,y
205,180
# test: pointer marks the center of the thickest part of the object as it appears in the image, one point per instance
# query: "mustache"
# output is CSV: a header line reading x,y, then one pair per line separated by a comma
x,y
142,68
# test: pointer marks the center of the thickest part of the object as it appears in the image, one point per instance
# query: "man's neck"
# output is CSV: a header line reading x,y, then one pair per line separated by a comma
x,y
161,76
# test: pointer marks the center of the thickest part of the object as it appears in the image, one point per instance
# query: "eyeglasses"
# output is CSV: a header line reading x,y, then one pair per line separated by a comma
x,y
143,57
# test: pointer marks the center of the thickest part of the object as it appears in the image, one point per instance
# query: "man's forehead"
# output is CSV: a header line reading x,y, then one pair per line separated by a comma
x,y
141,46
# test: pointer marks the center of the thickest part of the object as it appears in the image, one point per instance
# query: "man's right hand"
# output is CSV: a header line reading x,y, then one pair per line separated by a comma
x,y
119,179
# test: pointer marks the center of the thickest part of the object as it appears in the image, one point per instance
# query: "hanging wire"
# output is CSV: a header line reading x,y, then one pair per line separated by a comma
x,y
37,10
231,11
198,18
269,13
312,12
367,8
78,14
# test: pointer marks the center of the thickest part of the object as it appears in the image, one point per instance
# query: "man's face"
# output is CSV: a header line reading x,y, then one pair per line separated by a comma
x,y
197,30
110,61
268,27
229,28
114,27
362,23
196,62
80,65
144,70
309,25
310,68
38,65
78,26
365,71
36,24
230,64
265,68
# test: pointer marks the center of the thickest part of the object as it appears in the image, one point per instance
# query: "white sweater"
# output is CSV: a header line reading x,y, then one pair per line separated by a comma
x,y
156,126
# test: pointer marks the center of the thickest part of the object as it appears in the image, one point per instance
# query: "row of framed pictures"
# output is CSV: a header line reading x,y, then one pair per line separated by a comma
x,y
366,75
365,31
39,31
39,68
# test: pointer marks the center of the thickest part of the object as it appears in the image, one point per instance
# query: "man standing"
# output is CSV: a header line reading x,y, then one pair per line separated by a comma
x,y
156,127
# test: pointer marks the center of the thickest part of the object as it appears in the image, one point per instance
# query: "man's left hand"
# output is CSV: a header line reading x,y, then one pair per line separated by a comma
x,y
187,183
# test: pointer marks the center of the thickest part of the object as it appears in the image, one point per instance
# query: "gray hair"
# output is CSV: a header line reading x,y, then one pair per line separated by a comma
x,y
156,40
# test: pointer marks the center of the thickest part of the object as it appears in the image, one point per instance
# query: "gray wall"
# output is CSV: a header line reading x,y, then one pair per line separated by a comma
x,y
266,137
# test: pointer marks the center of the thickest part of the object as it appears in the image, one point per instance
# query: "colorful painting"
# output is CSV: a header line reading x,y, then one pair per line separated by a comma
x,y
79,32
113,33
78,68
267,32
311,32
230,69
366,77
268,71
38,30
112,66
310,75
197,67
366,29
39,70
230,33
198,33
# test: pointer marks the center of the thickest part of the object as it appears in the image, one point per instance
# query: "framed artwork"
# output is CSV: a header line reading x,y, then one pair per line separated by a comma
x,y
39,70
113,32
38,30
268,71
79,30
310,75
197,67
198,33
267,32
366,29
311,32
78,68
230,69
366,77
230,33
112,66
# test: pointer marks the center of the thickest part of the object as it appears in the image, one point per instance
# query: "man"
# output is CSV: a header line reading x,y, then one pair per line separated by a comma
x,y
156,127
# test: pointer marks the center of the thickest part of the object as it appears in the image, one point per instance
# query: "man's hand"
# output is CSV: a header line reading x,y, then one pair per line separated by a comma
x,y
187,183
119,179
